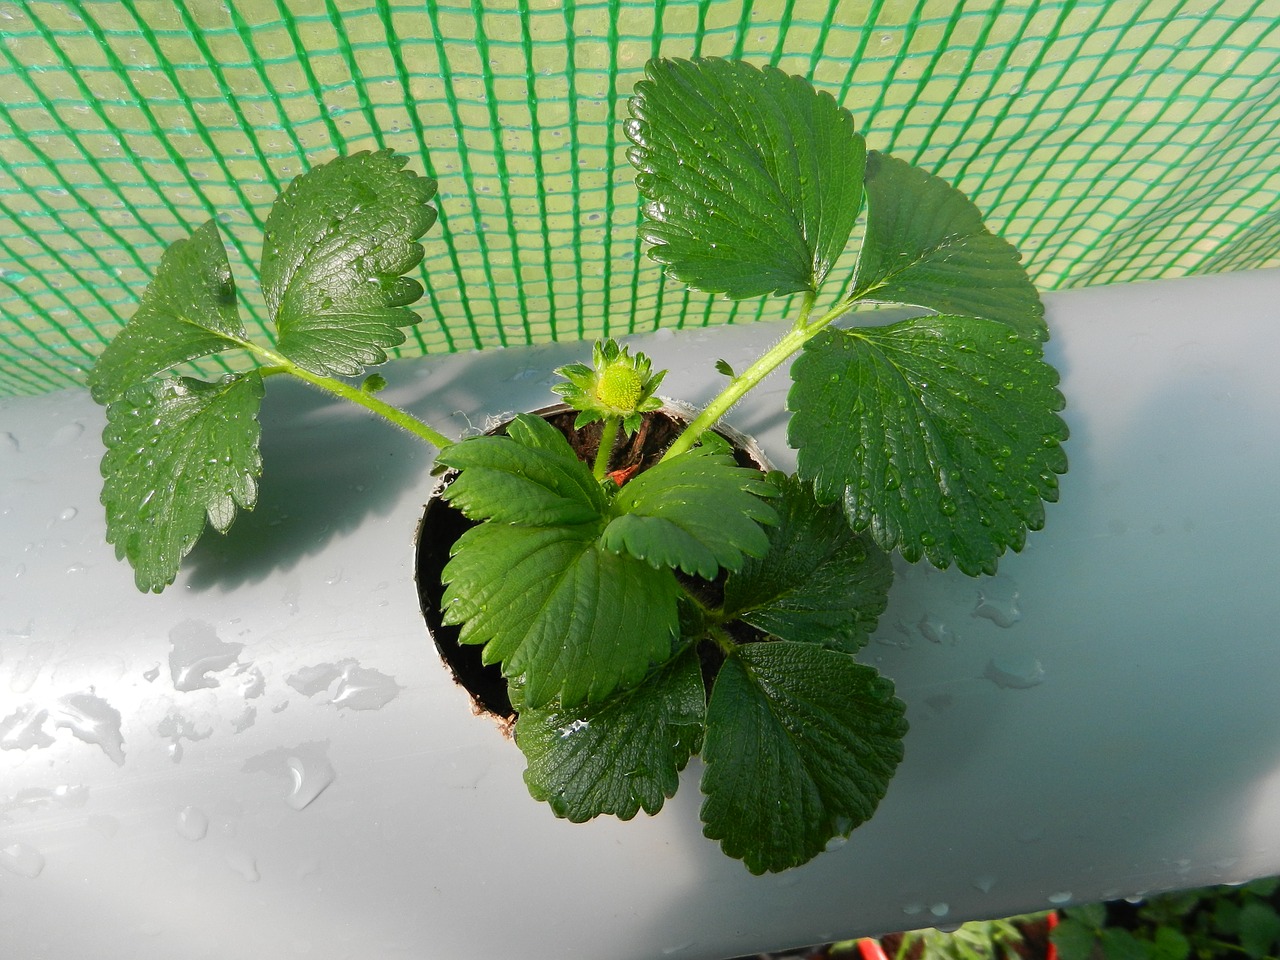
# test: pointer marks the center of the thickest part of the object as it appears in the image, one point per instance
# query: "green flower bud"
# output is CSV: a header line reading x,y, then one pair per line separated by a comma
x,y
620,387
615,385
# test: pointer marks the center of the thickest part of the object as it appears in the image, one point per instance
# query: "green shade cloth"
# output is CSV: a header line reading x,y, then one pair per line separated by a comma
x,y
1110,140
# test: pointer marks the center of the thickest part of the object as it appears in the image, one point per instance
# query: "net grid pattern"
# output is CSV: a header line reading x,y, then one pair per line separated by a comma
x,y
1109,140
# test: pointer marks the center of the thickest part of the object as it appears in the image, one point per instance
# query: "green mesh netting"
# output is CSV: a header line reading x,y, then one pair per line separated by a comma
x,y
1108,139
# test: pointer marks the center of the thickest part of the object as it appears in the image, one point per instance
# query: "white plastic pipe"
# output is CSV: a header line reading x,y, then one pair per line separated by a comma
x,y
270,759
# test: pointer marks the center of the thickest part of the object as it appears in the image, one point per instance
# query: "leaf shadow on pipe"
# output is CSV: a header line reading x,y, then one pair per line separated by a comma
x,y
327,468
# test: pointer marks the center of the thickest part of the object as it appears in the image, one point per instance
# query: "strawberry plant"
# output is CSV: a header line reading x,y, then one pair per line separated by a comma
x,y
1240,921
698,607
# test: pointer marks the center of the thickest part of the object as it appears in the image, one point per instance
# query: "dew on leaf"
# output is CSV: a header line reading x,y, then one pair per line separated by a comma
x,y
569,729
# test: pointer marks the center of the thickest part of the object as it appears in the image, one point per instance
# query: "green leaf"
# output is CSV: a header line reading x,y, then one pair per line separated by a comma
x,y
1074,939
819,582
926,245
188,311
1263,886
1170,944
800,745
550,603
530,477
1226,917
374,383
619,756
1259,927
1119,944
699,511
1092,915
938,434
752,180
337,241
178,451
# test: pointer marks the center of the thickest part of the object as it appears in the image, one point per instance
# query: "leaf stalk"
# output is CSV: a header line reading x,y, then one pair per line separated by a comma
x,y
277,363
801,333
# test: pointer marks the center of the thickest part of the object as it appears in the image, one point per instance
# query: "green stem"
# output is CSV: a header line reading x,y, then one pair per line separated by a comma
x,y
806,305
720,637
797,337
1224,945
278,363
607,439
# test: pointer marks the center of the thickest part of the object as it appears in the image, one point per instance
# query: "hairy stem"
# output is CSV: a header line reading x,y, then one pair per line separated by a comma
x,y
607,439
720,637
278,363
738,387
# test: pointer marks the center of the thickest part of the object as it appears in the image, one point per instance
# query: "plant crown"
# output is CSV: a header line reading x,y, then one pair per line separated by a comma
x,y
700,607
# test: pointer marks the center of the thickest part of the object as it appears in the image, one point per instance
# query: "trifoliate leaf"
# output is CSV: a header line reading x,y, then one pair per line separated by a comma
x,y
577,620
621,756
178,451
724,368
699,511
188,311
926,245
530,477
337,242
819,582
752,180
800,745
939,435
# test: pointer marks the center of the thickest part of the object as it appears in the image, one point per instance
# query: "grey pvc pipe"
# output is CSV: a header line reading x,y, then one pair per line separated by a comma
x,y
270,759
